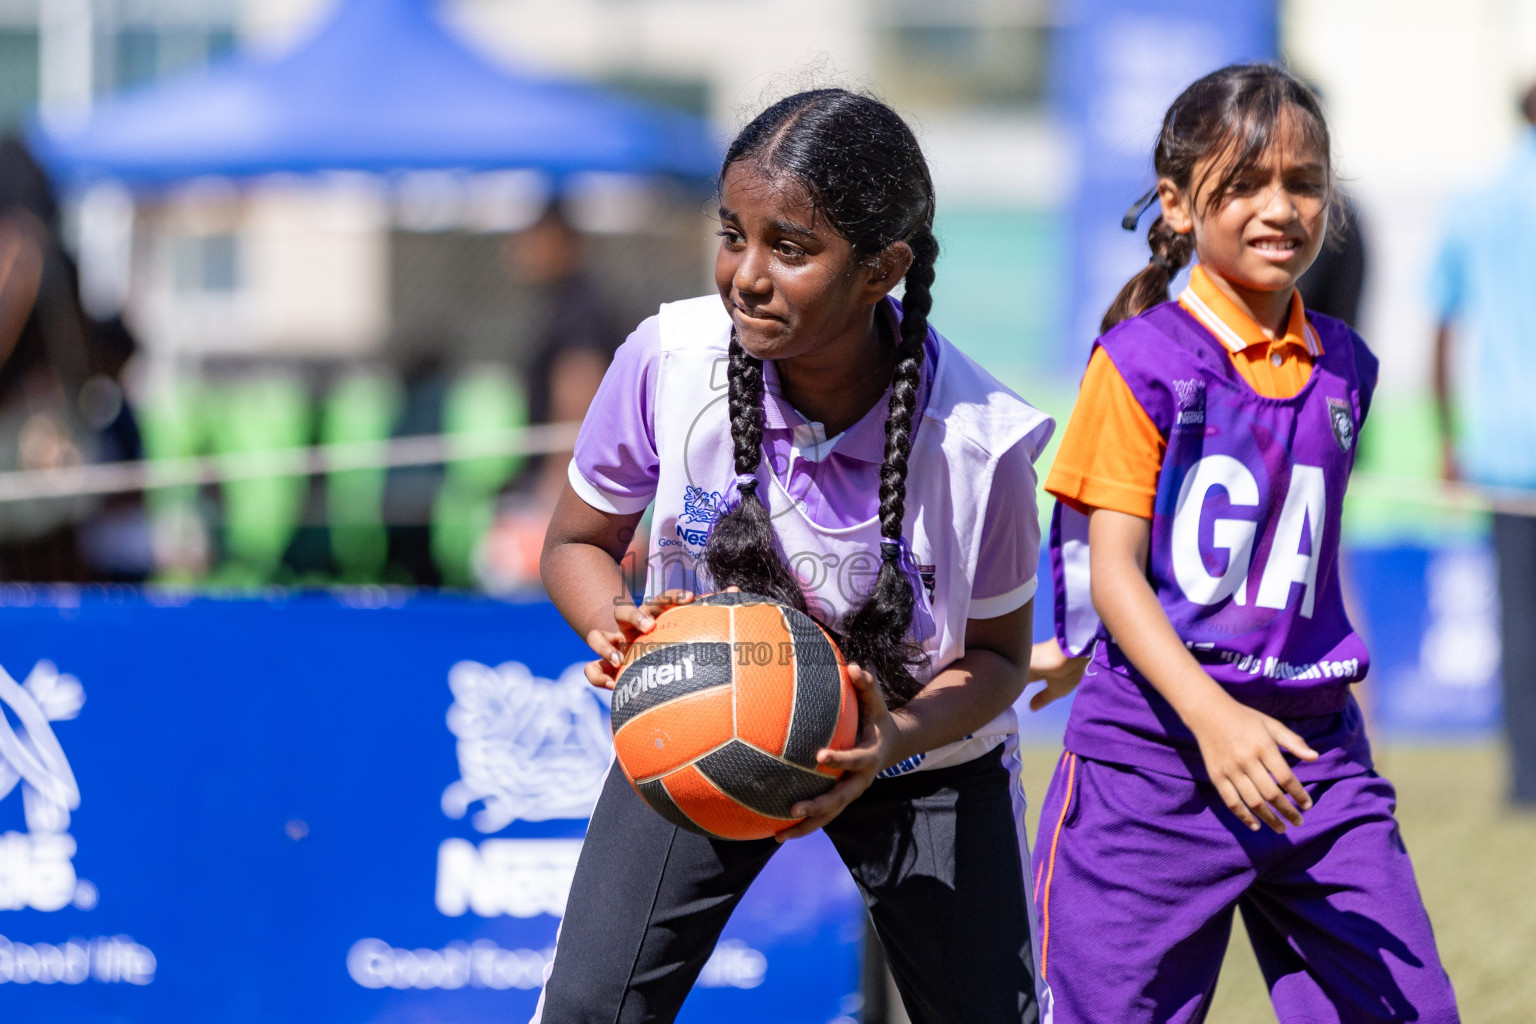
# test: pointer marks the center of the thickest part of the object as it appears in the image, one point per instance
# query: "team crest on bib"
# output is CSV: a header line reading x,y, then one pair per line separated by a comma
x,y
1342,419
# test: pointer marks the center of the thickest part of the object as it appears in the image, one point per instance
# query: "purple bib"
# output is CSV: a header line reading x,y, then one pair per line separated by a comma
x,y
1245,536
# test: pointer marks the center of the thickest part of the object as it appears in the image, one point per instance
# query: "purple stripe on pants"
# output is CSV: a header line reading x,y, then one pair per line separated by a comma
x,y
1138,874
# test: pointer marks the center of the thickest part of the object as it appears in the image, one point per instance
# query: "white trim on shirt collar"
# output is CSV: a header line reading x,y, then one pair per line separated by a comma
x,y
1314,345
1226,335
809,440
1213,323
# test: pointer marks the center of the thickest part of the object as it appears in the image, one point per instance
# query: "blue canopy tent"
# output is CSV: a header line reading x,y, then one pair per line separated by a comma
x,y
381,87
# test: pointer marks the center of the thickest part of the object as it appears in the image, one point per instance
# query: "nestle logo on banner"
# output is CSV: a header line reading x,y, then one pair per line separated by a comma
x,y
530,749
108,960
37,870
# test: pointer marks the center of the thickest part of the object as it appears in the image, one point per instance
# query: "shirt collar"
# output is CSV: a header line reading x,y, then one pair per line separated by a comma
x,y
1235,329
865,440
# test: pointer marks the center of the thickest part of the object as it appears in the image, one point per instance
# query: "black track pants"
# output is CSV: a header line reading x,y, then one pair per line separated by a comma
x,y
936,855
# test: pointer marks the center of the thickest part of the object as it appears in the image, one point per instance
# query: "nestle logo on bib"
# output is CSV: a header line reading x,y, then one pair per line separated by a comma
x,y
701,511
1190,396
698,538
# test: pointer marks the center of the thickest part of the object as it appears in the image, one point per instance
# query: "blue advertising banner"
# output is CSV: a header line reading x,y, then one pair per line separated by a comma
x,y
362,807
1117,65
1430,618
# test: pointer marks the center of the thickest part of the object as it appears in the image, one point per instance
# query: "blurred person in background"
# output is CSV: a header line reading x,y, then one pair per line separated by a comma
x,y
1333,284
1483,289
574,347
578,338
60,402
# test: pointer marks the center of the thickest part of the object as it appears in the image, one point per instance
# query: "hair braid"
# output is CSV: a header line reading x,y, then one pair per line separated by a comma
x,y
745,397
875,632
1171,252
740,552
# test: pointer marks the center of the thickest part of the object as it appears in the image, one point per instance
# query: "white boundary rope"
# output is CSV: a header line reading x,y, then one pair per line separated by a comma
x,y
427,450
1443,495
437,449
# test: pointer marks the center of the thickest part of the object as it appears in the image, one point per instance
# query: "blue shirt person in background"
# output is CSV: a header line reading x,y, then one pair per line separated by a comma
x,y
1483,289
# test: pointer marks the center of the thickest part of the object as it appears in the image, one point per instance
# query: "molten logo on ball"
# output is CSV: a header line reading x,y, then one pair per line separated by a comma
x,y
651,676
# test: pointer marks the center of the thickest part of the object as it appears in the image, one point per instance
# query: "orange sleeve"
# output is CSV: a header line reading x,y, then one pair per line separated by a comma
x,y
1111,453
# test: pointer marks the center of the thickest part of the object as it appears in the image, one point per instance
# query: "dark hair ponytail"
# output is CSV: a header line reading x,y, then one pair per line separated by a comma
x,y
1171,252
864,171
1236,112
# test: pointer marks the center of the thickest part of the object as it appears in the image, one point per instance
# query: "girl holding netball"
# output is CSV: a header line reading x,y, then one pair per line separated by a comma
x,y
804,436
1209,452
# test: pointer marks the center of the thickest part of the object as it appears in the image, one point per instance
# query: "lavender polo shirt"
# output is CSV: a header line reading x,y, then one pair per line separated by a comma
x,y
616,466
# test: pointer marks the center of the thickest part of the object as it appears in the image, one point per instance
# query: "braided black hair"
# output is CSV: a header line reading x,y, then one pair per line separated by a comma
x,y
864,171
1237,111
740,549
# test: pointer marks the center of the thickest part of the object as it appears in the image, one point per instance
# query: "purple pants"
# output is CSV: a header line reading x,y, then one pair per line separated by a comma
x,y
1137,873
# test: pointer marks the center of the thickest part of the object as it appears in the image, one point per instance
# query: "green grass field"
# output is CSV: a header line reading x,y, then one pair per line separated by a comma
x,y
1475,861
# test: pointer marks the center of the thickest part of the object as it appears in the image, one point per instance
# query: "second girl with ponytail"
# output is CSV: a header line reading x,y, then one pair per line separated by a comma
x,y
1216,761
804,436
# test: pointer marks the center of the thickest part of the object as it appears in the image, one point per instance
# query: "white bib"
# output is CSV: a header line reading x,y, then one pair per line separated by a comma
x,y
969,422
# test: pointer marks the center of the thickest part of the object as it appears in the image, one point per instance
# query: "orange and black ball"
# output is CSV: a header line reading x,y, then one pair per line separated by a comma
x,y
719,711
